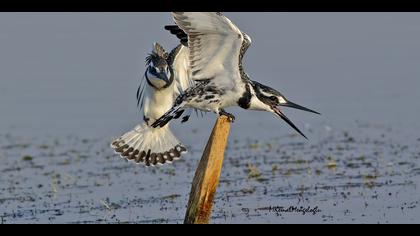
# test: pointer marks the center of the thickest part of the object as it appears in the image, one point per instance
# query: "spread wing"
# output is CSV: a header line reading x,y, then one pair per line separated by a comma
x,y
215,45
179,33
178,59
140,92
179,62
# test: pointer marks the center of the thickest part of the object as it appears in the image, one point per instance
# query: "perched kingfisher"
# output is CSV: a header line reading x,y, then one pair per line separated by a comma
x,y
216,49
167,75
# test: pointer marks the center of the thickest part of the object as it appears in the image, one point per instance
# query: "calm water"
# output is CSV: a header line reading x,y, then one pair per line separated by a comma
x,y
68,83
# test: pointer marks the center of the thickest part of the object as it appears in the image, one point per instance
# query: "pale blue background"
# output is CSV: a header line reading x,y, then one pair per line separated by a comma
x,y
78,72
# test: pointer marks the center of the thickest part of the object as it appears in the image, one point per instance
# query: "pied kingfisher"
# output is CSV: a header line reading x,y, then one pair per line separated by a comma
x,y
166,76
216,49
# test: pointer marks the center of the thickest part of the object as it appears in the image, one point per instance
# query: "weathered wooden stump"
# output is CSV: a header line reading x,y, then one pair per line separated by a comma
x,y
207,175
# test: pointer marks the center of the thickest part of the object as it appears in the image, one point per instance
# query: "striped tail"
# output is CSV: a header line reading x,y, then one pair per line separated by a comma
x,y
149,146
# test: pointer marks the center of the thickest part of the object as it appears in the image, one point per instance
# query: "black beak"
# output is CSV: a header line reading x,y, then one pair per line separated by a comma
x,y
299,107
163,76
284,117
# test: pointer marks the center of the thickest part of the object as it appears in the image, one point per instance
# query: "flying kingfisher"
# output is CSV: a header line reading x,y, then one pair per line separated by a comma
x,y
167,75
216,49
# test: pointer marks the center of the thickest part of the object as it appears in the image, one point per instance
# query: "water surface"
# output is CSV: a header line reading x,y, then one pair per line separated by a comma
x,y
68,83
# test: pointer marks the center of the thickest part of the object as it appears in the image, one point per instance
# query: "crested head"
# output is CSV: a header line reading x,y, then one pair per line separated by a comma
x,y
158,73
158,56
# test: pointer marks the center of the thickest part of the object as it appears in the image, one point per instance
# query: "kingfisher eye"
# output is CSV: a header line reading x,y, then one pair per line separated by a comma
x,y
152,69
273,98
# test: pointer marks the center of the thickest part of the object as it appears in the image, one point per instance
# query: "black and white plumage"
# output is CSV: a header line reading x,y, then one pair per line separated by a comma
x,y
167,75
216,49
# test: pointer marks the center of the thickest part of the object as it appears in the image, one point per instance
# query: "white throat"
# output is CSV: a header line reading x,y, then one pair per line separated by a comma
x,y
257,104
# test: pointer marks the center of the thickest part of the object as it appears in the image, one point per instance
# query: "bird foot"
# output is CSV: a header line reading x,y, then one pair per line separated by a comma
x,y
230,117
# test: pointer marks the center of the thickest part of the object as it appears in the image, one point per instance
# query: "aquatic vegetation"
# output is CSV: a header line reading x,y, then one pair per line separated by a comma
x,y
253,171
27,158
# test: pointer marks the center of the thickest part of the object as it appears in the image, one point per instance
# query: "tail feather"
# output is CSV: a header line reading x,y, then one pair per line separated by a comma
x,y
149,146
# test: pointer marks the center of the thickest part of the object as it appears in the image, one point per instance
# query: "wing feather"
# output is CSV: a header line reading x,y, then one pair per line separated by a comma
x,y
140,93
179,60
214,43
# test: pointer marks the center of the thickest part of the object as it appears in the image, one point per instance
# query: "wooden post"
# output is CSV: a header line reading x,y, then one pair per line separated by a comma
x,y
207,175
